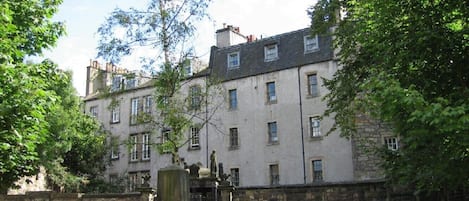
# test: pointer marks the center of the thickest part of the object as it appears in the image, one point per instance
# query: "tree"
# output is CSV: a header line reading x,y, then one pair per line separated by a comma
x,y
40,117
166,27
75,143
405,63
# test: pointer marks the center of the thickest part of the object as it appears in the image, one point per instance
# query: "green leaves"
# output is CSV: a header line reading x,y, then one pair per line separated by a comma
x,y
403,62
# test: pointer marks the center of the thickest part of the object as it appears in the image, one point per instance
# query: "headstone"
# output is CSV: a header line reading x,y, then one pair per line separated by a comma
x,y
173,184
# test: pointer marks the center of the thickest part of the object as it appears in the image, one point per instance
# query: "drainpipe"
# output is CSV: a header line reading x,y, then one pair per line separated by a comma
x,y
301,125
206,122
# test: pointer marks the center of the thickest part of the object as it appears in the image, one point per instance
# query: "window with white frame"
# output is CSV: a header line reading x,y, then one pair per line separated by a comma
x,y
234,141
131,83
147,106
270,52
315,126
233,99
391,143
234,176
145,146
115,114
94,111
187,65
133,181
195,137
114,147
317,170
133,147
233,60
116,83
165,138
271,95
134,107
272,129
313,88
311,43
274,174
195,97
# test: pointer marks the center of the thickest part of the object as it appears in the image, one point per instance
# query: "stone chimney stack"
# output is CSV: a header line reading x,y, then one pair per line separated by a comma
x,y
229,36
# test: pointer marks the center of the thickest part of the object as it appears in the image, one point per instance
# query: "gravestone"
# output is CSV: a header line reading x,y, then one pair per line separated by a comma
x,y
173,184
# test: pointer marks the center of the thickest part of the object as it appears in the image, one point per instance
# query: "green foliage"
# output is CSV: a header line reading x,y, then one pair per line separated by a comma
x,y
40,119
405,62
25,103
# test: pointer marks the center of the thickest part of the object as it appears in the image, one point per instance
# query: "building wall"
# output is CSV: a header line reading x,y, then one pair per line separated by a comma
x,y
295,150
255,154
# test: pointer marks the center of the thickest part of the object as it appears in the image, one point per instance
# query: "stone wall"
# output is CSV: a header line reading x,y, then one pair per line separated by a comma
x,y
361,191
144,195
370,136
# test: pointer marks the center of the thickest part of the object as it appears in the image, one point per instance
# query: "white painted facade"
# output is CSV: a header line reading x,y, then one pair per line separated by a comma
x,y
293,153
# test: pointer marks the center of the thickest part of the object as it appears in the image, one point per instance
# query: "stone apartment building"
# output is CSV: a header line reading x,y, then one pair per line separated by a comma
x,y
264,118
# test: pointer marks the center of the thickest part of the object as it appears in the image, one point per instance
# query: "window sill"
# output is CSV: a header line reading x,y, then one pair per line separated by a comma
x,y
271,102
315,138
114,122
272,143
194,148
114,158
309,96
146,160
312,51
271,59
231,148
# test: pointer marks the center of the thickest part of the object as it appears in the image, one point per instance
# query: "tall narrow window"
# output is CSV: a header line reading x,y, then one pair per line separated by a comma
x,y
234,176
133,181
187,68
147,106
233,60
114,148
274,174
391,143
116,83
315,126
146,146
272,129
311,43
271,96
317,170
270,52
195,99
313,89
115,115
234,143
195,137
233,99
94,111
165,138
133,148
135,102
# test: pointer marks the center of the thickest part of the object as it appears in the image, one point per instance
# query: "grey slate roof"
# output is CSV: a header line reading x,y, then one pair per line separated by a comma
x,y
290,52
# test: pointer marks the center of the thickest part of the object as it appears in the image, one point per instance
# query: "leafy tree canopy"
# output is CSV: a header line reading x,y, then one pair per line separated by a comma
x,y
406,63
40,119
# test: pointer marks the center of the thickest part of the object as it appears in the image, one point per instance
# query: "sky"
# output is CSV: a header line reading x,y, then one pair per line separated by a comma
x,y
83,17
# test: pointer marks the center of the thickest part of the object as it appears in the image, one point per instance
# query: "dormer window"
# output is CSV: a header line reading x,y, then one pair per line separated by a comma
x,y
116,83
233,60
270,52
311,43
187,68
131,83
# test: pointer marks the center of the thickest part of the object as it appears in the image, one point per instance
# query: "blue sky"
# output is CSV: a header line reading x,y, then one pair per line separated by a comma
x,y
83,17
